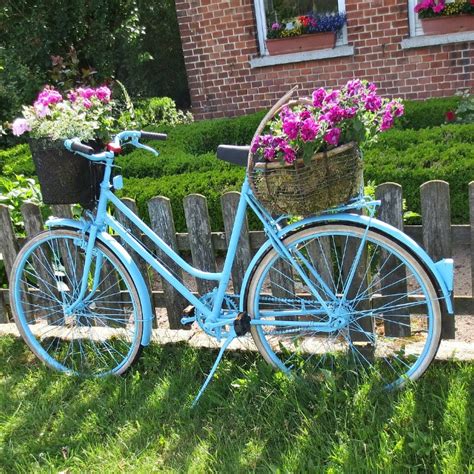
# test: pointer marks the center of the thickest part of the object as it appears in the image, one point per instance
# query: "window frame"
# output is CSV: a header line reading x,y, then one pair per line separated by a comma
x,y
262,26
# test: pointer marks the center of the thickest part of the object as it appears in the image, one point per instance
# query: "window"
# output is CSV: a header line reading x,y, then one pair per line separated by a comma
x,y
269,11
415,23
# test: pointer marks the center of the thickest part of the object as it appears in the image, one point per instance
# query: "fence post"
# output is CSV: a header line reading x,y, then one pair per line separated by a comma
x,y
436,219
392,275
161,218
34,225
471,220
199,228
230,202
8,245
142,265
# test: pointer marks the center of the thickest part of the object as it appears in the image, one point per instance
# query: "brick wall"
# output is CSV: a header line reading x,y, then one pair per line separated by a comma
x,y
220,36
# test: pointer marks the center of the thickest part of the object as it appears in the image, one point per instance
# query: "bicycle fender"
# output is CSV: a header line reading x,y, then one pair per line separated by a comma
x,y
127,261
442,271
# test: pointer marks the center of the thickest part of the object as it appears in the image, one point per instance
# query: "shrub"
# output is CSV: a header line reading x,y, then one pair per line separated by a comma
x,y
17,160
117,38
412,157
170,161
426,113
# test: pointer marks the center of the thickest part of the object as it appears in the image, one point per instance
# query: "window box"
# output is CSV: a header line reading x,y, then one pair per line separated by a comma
x,y
447,24
297,44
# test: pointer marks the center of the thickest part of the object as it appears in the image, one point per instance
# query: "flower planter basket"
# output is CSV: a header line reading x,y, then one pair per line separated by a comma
x,y
447,24
65,178
297,44
330,179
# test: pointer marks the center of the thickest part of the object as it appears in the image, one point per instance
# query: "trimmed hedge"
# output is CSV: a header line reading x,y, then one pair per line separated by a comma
x,y
210,184
187,161
426,113
412,157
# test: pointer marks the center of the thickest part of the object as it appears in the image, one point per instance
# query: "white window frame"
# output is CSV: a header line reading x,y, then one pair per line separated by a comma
x,y
415,23
262,26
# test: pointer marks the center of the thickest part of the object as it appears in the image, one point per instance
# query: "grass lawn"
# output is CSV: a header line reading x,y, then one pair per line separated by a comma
x,y
250,419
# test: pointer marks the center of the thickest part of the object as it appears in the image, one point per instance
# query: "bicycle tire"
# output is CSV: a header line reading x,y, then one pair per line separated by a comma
x,y
359,344
101,338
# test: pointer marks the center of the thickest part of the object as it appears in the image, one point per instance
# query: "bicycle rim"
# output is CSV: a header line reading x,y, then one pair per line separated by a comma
x,y
379,313
103,335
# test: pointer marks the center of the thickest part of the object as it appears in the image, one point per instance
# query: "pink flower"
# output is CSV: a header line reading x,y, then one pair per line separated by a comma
x,y
439,7
350,112
276,26
318,97
373,102
309,130
103,93
335,114
332,136
291,127
304,114
424,5
395,107
20,126
332,97
86,93
41,110
353,87
48,96
269,153
289,154
387,121
72,96
87,103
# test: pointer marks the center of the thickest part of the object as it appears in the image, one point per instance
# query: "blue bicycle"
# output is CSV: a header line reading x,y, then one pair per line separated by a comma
x,y
338,291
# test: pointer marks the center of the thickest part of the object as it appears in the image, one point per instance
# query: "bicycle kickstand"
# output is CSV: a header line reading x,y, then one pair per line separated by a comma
x,y
232,335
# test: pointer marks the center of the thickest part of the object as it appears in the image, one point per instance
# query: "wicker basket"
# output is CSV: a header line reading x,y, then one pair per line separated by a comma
x,y
65,178
329,179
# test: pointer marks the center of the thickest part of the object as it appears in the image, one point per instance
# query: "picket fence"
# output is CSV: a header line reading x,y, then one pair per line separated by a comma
x,y
436,235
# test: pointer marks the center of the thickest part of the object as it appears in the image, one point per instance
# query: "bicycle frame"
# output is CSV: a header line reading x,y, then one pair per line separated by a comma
x,y
442,270
103,220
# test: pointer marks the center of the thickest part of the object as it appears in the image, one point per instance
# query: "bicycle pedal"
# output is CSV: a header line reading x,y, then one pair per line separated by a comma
x,y
242,324
187,318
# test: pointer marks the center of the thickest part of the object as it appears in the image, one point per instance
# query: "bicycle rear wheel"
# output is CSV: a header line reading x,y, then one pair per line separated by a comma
x,y
379,312
103,334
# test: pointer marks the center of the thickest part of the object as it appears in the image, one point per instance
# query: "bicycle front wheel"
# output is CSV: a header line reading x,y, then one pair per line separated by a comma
x,y
377,311
102,336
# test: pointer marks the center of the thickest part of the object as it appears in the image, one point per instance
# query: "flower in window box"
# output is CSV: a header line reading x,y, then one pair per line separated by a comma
x,y
305,33
439,17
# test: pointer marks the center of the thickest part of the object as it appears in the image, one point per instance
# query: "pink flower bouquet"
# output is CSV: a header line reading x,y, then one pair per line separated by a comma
x,y
355,113
86,113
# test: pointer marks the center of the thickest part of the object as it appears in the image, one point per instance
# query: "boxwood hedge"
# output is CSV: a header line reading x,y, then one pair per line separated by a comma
x,y
187,161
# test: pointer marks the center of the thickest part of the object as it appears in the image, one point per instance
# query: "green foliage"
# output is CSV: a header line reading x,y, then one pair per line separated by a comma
x,y
211,184
134,41
162,111
171,161
250,419
205,136
16,160
465,110
412,157
14,192
425,113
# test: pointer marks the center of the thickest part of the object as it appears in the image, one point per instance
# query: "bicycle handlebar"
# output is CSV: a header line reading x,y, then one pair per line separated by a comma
x,y
153,136
78,146
127,137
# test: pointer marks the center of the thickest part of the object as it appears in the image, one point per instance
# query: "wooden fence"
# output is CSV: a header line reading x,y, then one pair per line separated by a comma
x,y
436,235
